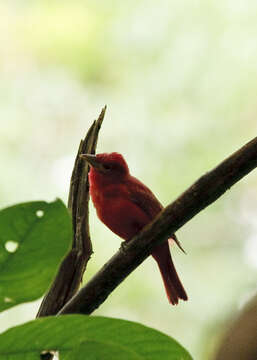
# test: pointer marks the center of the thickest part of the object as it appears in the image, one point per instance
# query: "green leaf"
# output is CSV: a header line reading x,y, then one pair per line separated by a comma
x,y
34,237
92,338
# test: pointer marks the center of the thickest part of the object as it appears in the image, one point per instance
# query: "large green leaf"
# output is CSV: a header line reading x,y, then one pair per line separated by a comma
x,y
93,338
34,237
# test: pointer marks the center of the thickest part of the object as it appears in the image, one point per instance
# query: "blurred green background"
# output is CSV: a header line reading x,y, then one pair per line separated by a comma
x,y
180,82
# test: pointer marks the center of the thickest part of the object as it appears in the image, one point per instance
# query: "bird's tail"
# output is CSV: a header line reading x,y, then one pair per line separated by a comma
x,y
173,285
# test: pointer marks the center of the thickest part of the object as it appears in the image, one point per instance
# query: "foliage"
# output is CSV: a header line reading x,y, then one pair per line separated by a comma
x,y
77,336
179,81
34,237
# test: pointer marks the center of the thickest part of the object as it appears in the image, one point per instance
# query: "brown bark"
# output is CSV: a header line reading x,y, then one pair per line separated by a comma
x,y
202,193
72,268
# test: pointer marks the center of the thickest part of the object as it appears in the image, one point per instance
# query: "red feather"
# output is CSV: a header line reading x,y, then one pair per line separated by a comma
x,y
125,205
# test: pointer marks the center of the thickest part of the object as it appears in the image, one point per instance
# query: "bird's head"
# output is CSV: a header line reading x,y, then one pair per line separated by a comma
x,y
107,165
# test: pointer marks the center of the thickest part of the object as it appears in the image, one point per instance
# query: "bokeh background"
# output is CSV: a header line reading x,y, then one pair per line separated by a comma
x,y
180,82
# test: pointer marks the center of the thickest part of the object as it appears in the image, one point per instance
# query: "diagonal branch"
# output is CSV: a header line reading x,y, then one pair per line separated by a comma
x,y
239,340
202,193
73,266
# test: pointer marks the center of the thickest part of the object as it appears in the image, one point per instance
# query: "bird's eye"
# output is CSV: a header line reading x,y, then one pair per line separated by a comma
x,y
107,167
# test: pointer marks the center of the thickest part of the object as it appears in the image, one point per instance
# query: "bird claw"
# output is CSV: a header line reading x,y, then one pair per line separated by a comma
x,y
123,246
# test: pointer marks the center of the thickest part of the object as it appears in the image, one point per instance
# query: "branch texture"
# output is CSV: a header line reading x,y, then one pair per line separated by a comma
x,y
201,194
73,266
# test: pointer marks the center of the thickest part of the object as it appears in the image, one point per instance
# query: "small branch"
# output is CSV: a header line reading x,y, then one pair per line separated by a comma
x,y
201,194
73,266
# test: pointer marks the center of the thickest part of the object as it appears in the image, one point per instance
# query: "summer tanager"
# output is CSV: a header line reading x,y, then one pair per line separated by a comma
x,y
126,205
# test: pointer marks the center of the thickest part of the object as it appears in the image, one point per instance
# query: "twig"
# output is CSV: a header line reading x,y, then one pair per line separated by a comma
x,y
72,268
201,194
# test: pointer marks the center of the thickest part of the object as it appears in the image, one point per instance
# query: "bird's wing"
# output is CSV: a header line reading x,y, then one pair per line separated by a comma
x,y
143,197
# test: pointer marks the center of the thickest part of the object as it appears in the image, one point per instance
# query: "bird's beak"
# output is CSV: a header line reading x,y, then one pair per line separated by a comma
x,y
92,160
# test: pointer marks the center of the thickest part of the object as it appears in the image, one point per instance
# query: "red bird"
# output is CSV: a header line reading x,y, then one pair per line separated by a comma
x,y
125,205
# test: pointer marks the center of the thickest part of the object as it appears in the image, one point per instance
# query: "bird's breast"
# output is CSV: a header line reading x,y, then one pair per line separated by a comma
x,y
116,210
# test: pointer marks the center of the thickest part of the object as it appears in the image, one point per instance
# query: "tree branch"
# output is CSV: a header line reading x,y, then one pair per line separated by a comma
x,y
73,266
201,194
239,342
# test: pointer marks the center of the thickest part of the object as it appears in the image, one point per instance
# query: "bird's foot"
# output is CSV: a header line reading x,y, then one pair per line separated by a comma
x,y
123,246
